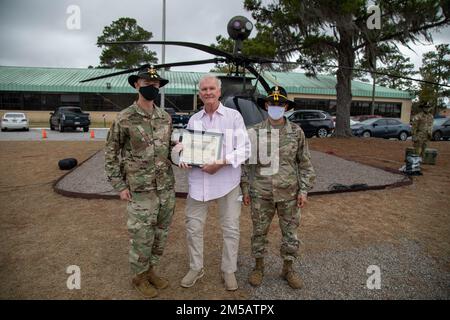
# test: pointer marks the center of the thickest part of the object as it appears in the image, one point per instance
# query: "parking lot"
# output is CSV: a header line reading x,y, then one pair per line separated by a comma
x,y
35,134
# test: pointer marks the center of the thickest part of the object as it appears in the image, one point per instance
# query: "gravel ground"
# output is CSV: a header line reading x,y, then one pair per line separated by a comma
x,y
405,231
89,177
406,273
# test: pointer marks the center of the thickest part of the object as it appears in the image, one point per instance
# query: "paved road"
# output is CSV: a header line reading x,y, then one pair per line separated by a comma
x,y
36,134
74,135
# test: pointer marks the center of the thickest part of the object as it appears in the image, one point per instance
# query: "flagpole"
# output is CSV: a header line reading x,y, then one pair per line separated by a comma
x,y
163,53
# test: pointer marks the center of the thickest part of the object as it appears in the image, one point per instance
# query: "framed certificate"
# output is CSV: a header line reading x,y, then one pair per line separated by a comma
x,y
200,147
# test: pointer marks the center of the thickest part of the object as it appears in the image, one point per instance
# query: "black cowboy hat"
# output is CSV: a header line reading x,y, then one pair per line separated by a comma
x,y
149,74
276,96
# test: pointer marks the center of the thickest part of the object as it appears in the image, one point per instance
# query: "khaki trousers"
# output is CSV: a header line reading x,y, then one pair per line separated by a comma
x,y
229,213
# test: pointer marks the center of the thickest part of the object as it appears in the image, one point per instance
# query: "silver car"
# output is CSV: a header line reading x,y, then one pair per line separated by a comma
x,y
441,129
382,128
15,121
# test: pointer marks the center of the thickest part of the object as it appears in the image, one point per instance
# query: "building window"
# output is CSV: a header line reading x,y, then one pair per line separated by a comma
x,y
67,99
11,101
314,104
107,101
32,101
360,108
388,109
179,102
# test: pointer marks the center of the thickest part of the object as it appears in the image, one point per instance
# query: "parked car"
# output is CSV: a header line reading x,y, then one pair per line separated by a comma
x,y
170,111
15,120
352,121
313,122
366,117
180,120
382,128
441,129
69,117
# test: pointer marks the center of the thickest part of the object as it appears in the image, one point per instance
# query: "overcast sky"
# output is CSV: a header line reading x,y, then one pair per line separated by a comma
x,y
34,33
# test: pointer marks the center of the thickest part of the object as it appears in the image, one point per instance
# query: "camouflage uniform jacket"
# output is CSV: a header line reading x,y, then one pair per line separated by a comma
x,y
138,149
422,126
295,174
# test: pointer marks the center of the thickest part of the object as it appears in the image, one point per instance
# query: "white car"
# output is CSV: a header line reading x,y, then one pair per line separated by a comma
x,y
15,120
352,122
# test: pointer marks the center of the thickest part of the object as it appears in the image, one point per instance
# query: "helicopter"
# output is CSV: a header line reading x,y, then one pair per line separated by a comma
x,y
239,91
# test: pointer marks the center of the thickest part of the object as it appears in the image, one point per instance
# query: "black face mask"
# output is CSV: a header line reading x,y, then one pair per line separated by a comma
x,y
149,92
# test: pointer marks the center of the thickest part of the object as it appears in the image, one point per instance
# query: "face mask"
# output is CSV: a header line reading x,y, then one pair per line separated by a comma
x,y
276,112
149,92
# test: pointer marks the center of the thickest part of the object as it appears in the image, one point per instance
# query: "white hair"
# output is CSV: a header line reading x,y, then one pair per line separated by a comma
x,y
210,76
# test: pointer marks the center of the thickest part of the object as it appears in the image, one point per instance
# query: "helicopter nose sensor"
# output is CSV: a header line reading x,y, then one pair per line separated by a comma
x,y
239,28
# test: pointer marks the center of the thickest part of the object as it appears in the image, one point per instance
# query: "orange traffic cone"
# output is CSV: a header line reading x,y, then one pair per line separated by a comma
x,y
92,134
44,134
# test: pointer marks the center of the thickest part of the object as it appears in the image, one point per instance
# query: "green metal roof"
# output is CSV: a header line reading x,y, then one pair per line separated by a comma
x,y
68,80
299,83
38,79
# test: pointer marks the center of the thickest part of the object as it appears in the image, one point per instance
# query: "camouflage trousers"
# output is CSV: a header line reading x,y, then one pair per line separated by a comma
x,y
419,147
263,212
149,217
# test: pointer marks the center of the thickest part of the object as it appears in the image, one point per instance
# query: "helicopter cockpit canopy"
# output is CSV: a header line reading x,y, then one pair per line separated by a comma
x,y
250,111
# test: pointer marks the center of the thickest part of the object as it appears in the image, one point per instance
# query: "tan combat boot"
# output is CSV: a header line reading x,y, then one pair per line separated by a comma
x,y
142,285
156,281
292,277
256,276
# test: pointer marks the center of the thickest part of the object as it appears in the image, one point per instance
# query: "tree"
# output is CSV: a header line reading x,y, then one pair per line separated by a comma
x,y
127,56
398,65
435,68
325,31
393,62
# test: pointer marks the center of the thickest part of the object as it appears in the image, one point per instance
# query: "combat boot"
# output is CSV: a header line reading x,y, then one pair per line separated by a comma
x,y
256,276
155,280
142,285
292,277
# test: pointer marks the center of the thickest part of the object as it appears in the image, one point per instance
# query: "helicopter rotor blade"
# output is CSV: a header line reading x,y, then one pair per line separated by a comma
x,y
116,73
189,63
261,79
158,66
263,60
246,60
399,77
198,46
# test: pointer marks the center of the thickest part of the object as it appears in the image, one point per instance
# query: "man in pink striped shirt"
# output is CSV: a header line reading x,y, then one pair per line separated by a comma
x,y
217,181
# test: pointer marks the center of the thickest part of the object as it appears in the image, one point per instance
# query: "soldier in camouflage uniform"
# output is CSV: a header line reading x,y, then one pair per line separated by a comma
x,y
283,189
137,165
422,128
